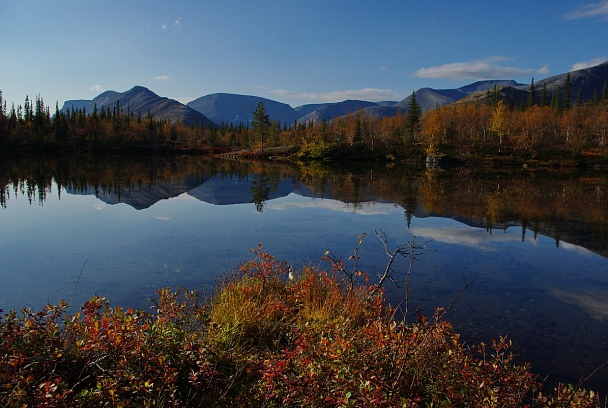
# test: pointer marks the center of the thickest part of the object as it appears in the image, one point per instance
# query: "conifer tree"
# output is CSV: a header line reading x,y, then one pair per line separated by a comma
x,y
495,96
544,97
567,92
261,123
555,100
412,118
531,101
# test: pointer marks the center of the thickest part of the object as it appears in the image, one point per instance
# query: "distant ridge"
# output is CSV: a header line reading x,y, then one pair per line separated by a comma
x,y
224,108
140,100
585,83
589,81
331,111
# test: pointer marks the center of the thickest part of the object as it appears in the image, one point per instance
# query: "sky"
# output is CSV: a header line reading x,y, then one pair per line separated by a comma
x,y
296,52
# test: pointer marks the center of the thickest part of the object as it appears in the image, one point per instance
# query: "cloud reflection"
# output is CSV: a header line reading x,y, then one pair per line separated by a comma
x,y
576,248
593,302
472,237
365,208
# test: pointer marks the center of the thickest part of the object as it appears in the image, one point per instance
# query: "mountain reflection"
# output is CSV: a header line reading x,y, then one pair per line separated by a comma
x,y
569,207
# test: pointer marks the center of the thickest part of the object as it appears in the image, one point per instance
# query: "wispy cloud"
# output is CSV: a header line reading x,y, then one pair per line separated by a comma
x,y
97,88
176,25
162,78
486,68
367,94
588,64
599,9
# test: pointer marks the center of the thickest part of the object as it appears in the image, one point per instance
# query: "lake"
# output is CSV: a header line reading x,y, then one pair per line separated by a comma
x,y
533,242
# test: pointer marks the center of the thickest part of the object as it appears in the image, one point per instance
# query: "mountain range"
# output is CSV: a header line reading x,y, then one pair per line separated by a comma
x,y
225,109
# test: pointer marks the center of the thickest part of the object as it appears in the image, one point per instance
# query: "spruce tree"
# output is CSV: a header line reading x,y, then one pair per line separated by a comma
x,y
495,96
261,123
412,118
555,100
544,97
567,92
531,101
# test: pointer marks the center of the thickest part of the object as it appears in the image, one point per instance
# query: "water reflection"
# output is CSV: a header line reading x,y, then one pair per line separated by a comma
x,y
531,240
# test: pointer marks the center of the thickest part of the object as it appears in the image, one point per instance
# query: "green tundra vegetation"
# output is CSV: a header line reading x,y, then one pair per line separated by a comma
x,y
264,338
491,127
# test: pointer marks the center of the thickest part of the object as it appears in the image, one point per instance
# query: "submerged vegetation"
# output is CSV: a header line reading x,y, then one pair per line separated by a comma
x,y
267,336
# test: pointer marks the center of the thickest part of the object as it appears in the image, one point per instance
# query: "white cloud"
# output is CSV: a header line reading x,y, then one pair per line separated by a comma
x,y
162,78
367,94
543,71
177,25
97,88
588,64
485,68
599,9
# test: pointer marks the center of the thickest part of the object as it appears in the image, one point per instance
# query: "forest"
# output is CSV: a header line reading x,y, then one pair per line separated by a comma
x,y
493,126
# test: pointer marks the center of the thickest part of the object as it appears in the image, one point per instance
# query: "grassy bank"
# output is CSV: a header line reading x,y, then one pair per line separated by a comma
x,y
264,338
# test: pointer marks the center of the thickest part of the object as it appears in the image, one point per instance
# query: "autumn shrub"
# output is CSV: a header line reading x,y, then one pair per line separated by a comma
x,y
264,338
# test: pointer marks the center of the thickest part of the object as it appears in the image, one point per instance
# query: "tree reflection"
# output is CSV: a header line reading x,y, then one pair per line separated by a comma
x,y
566,206
260,190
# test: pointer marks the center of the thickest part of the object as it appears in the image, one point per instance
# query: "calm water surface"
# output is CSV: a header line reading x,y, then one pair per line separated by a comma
x,y
535,243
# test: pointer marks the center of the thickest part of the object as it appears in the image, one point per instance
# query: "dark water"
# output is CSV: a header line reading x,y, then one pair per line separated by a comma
x,y
535,243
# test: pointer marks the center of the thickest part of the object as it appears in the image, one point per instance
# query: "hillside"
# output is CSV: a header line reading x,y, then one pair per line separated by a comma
x,y
586,83
331,111
589,81
235,109
140,100
429,98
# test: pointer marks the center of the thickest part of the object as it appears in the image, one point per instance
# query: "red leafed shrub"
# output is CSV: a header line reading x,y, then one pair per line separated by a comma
x,y
264,338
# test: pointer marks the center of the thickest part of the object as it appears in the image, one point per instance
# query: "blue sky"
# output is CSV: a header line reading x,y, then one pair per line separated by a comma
x,y
296,52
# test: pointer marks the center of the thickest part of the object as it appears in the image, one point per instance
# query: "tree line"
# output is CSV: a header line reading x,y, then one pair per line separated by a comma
x,y
496,125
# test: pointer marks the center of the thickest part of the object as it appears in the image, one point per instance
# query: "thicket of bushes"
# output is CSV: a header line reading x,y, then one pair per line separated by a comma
x,y
262,339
